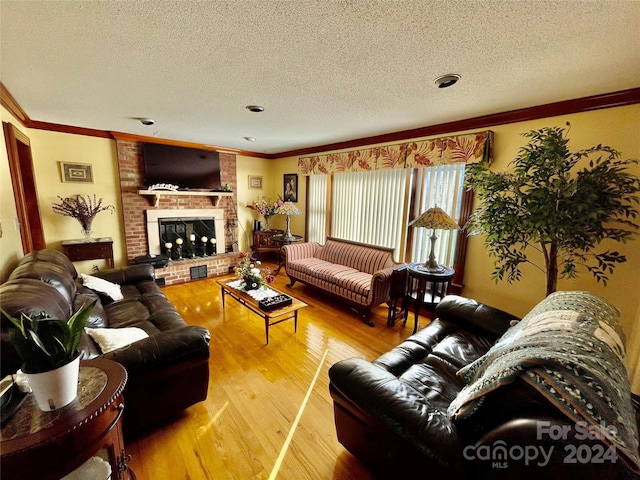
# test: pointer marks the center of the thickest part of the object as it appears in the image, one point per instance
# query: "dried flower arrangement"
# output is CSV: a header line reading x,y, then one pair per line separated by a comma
x,y
82,209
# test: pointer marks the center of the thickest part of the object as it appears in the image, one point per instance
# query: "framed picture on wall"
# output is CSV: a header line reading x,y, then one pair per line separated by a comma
x,y
255,181
290,187
76,172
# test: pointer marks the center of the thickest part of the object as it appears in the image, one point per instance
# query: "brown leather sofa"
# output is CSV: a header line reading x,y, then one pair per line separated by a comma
x,y
167,372
391,413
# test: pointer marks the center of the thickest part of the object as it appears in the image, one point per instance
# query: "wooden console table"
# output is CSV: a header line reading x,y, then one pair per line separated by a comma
x,y
263,243
49,445
92,249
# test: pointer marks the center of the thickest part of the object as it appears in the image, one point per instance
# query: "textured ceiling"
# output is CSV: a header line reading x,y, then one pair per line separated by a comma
x,y
325,71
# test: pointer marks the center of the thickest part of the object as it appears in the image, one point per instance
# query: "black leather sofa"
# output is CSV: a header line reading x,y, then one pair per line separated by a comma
x,y
167,372
391,413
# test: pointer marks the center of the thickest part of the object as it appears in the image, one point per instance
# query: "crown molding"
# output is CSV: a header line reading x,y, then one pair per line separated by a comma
x,y
10,103
578,105
179,143
584,104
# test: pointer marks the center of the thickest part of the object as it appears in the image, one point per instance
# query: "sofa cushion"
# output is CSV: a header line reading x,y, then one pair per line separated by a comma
x,y
53,257
308,265
359,282
50,273
85,296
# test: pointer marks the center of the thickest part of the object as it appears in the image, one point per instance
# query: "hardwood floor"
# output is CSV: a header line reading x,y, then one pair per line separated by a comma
x,y
268,414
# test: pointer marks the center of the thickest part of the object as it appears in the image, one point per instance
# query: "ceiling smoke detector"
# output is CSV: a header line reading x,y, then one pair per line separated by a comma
x,y
255,108
444,81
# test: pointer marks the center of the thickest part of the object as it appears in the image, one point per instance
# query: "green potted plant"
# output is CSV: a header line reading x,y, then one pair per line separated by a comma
x,y
48,348
559,203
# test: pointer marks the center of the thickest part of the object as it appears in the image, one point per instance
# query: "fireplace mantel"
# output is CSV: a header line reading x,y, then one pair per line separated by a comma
x,y
159,193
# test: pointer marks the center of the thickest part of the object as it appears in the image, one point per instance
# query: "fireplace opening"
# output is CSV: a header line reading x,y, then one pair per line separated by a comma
x,y
188,237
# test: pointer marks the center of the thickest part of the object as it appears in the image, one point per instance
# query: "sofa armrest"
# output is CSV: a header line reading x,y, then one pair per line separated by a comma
x,y
163,350
297,251
369,390
128,275
381,286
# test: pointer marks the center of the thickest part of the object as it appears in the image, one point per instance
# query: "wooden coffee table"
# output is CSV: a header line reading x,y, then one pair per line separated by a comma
x,y
271,317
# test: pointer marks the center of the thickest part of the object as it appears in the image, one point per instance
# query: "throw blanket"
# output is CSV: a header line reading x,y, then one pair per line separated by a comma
x,y
570,348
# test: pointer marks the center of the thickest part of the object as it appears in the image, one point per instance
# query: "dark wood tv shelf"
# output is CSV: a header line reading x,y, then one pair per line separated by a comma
x,y
160,193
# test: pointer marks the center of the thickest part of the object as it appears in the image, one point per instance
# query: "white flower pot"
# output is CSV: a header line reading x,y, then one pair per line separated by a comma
x,y
56,388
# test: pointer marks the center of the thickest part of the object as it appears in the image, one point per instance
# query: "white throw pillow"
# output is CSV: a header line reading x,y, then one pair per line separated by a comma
x,y
113,338
102,286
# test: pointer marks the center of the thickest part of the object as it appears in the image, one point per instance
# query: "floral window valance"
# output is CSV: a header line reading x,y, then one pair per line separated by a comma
x,y
468,148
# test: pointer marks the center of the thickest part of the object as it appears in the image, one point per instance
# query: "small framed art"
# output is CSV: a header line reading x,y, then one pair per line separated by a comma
x,y
290,187
255,181
76,172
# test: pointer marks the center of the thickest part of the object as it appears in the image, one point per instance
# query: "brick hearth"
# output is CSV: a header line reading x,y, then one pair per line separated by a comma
x,y
131,169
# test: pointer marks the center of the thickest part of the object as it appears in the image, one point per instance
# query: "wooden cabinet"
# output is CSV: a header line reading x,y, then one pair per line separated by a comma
x,y
49,445
263,243
93,249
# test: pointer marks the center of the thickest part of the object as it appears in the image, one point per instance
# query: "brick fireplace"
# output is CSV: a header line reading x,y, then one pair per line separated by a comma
x,y
136,208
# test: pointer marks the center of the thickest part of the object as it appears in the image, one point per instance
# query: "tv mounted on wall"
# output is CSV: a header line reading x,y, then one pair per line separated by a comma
x,y
188,168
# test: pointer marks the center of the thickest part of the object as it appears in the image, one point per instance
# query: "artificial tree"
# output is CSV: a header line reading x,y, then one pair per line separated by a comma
x,y
559,203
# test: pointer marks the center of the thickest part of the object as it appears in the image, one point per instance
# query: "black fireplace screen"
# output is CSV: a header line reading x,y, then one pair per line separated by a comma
x,y
187,237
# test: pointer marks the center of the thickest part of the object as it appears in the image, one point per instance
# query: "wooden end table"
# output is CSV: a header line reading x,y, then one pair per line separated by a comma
x,y
281,241
271,317
49,445
425,289
92,249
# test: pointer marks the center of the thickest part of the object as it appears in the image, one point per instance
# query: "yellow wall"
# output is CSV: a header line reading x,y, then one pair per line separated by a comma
x,y
272,173
47,149
616,127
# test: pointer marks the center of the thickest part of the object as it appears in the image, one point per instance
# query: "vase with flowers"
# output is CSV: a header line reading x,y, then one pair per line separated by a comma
x,y
82,209
251,276
266,208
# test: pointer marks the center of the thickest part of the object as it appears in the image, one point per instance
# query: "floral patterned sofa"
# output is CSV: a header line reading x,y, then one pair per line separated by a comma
x,y
358,273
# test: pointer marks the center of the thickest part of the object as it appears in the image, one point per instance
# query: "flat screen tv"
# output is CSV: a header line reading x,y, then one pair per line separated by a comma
x,y
188,168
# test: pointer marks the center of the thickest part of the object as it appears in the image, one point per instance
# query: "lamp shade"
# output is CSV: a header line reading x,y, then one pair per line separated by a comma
x,y
435,218
288,208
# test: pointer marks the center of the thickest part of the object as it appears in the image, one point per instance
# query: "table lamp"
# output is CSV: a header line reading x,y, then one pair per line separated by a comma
x,y
434,218
288,209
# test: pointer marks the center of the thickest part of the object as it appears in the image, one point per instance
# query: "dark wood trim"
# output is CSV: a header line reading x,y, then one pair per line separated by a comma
x,y
463,239
10,103
25,192
585,104
56,127
179,143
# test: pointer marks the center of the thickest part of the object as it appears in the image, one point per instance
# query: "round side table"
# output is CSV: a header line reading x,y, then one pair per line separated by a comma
x,y
281,241
426,289
49,445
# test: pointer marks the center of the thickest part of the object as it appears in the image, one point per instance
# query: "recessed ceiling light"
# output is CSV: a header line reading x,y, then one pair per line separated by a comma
x,y
255,108
147,121
444,81
250,139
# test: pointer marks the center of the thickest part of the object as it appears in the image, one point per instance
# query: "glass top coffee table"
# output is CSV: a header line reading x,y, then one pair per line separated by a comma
x,y
271,317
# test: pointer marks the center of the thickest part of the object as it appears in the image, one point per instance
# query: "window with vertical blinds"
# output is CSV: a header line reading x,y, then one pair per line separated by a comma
x,y
441,185
369,207
373,207
317,208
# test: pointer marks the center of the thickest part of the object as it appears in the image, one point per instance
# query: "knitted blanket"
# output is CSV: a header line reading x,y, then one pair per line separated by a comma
x,y
570,348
